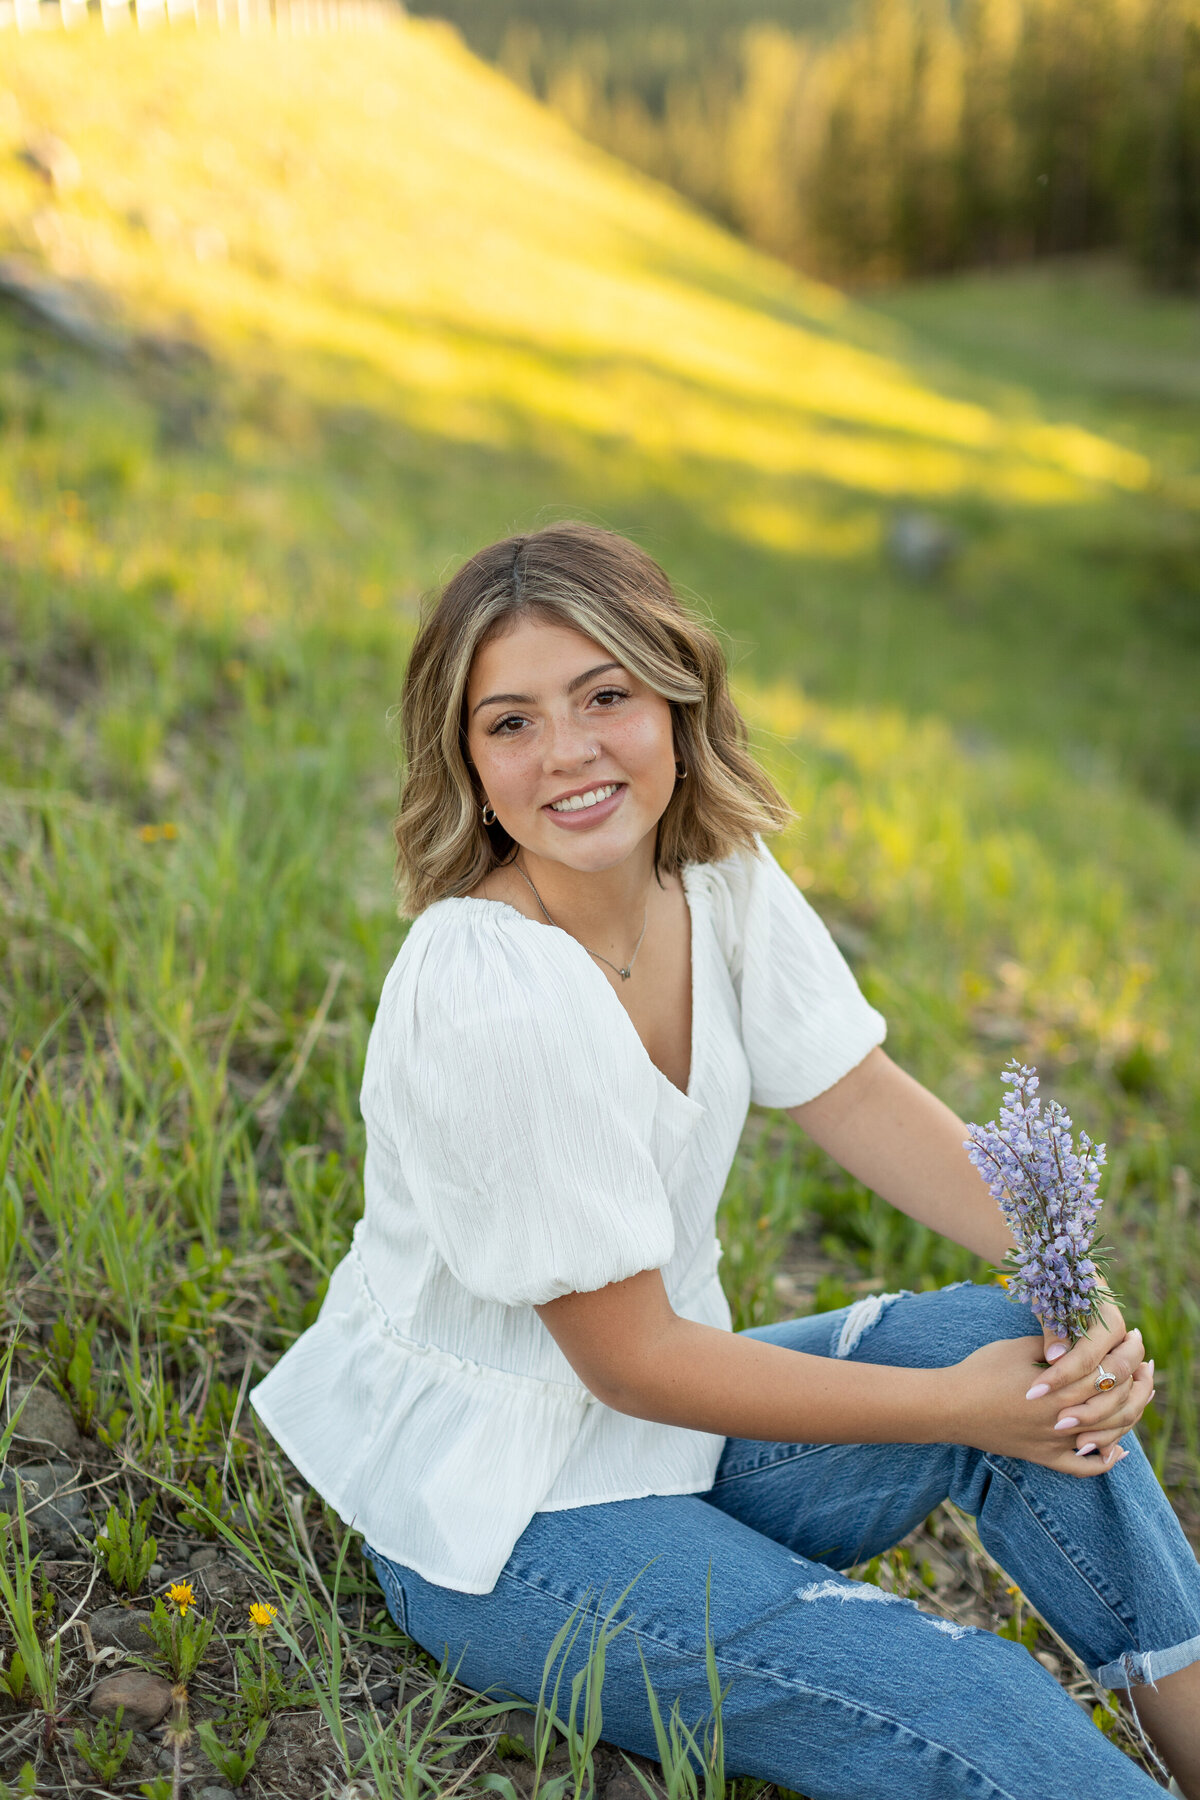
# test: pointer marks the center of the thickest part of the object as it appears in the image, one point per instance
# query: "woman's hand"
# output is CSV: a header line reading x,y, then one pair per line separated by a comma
x,y
993,1410
1070,1380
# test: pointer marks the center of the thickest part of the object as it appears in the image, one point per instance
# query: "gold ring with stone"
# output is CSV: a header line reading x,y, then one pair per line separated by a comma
x,y
1104,1381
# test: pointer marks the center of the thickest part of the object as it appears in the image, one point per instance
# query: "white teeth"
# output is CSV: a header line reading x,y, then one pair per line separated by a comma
x,y
577,802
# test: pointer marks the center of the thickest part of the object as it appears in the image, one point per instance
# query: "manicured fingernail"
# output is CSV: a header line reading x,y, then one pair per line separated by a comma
x,y
1055,1351
1121,1455
1086,1450
1153,1391
1036,1392
1066,1424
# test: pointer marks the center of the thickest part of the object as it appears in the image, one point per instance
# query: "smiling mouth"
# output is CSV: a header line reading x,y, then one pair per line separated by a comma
x,y
580,802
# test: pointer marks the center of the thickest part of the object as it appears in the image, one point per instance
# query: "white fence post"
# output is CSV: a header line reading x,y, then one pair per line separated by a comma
x,y
291,16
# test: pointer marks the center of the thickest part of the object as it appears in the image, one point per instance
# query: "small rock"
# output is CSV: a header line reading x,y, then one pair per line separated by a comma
x,y
200,1559
145,1697
382,1694
517,1724
156,1574
921,545
59,306
215,1793
355,1748
46,1420
119,1628
52,1508
1049,1661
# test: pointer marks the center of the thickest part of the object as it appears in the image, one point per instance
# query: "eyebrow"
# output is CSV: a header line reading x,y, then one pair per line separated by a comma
x,y
527,699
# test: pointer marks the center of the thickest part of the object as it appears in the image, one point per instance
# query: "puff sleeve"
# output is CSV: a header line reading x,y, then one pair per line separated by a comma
x,y
522,1108
805,1022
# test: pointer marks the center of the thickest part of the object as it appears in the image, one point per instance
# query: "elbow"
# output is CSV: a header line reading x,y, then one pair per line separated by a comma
x,y
620,1341
620,1390
631,1383
652,1387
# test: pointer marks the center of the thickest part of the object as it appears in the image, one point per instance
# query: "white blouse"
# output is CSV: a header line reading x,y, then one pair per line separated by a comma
x,y
521,1145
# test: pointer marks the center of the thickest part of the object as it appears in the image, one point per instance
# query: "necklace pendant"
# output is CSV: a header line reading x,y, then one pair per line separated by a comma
x,y
624,973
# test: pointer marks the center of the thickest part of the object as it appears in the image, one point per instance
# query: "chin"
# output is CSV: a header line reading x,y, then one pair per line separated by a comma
x,y
589,853
587,859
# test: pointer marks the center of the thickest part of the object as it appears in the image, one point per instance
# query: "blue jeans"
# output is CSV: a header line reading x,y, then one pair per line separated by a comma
x,y
844,1701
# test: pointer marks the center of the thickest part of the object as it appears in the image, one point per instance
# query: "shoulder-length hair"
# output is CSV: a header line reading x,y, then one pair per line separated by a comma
x,y
604,586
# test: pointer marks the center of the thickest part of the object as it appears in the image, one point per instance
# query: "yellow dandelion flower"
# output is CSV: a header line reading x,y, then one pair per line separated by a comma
x,y
181,1593
261,1615
148,834
168,832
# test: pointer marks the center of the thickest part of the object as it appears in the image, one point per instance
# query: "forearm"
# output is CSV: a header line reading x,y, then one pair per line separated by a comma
x,y
736,1386
905,1144
629,1346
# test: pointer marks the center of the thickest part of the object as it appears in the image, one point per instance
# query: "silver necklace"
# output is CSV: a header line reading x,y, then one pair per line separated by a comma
x,y
624,973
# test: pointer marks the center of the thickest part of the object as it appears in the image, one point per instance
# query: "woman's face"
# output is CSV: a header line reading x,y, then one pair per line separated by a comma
x,y
576,755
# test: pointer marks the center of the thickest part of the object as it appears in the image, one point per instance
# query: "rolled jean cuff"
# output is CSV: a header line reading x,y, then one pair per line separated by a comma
x,y
1142,1668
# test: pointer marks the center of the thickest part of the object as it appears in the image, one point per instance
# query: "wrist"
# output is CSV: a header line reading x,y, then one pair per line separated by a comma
x,y
924,1407
951,1410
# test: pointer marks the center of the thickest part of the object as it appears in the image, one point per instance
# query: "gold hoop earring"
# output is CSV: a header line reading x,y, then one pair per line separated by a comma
x,y
484,811
680,773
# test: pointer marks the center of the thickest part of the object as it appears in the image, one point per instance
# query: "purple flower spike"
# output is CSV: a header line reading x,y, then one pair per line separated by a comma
x,y
1046,1189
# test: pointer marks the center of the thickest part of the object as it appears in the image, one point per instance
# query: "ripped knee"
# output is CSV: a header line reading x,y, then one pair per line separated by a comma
x,y
860,1318
843,1591
962,1317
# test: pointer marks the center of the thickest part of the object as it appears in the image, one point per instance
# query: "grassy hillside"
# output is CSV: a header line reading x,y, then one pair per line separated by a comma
x,y
365,307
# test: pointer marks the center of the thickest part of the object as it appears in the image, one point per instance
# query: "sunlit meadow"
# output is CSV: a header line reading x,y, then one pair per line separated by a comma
x,y
359,307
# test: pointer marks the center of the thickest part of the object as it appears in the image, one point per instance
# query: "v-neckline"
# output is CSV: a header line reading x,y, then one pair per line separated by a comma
x,y
682,1093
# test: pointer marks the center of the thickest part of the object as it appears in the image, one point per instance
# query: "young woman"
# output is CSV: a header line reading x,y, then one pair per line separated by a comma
x,y
523,1387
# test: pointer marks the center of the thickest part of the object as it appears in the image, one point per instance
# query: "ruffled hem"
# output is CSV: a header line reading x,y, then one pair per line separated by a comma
x,y
395,1436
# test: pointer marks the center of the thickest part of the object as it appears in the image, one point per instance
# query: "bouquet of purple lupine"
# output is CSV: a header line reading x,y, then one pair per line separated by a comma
x,y
1046,1189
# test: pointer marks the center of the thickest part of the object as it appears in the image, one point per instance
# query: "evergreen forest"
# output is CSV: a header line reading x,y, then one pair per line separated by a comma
x,y
903,138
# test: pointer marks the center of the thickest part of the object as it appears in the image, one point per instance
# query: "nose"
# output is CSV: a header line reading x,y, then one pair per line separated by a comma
x,y
569,743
